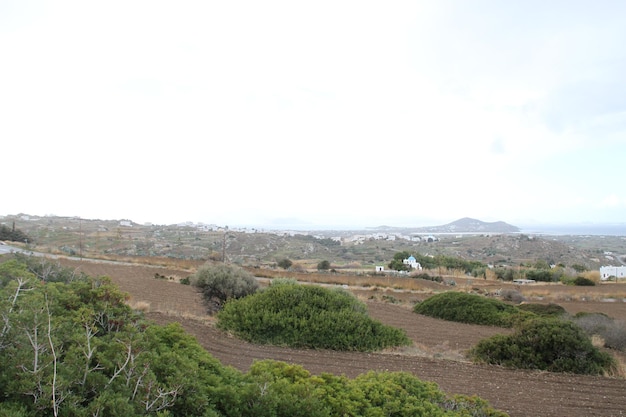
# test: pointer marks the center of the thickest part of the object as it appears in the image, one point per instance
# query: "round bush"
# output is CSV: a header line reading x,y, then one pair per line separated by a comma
x,y
220,283
470,308
583,282
546,344
308,316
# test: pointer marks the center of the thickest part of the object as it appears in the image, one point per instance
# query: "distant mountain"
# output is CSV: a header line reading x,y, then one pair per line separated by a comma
x,y
469,225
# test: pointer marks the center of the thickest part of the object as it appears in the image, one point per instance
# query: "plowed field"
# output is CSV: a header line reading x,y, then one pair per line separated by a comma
x,y
437,354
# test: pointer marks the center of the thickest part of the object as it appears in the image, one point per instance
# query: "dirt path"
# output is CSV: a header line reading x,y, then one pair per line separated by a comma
x,y
519,393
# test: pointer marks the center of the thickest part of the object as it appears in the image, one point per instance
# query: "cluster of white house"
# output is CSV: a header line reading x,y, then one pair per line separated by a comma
x,y
612,272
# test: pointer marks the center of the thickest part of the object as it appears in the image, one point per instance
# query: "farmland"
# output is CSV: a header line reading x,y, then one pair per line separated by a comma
x,y
437,353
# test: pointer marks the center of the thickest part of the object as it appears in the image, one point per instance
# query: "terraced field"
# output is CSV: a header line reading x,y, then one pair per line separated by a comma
x,y
437,353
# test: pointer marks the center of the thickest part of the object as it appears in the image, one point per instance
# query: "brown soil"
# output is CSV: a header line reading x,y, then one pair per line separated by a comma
x,y
437,354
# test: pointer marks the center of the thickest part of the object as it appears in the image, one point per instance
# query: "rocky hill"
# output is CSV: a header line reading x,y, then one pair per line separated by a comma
x,y
469,225
470,239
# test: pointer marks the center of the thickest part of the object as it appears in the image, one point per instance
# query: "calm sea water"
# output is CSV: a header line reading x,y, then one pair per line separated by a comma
x,y
577,229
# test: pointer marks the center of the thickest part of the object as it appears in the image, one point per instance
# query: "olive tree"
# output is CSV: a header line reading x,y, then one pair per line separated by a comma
x,y
221,282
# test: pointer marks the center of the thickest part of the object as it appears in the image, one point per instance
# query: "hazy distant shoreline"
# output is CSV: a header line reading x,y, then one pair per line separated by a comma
x,y
595,229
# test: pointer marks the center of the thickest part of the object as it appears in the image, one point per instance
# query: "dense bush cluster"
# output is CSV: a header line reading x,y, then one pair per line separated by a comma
x,y
220,283
546,344
74,348
308,316
13,234
470,308
543,338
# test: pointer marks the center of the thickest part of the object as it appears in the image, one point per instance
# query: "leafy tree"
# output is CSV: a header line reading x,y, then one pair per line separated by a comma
x,y
546,344
285,263
220,283
541,264
13,234
544,275
323,265
397,263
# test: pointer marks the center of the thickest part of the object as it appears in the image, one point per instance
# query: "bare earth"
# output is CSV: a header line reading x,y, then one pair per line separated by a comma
x,y
519,393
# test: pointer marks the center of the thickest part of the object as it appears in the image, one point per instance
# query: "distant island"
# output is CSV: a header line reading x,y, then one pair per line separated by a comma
x,y
469,225
464,225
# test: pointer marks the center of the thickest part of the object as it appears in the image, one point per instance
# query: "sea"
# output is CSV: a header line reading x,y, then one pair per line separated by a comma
x,y
576,229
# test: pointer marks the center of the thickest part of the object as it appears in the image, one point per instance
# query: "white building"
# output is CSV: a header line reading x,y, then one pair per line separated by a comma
x,y
607,272
412,262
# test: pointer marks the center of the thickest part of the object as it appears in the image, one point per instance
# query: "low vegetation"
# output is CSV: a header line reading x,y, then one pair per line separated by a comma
x,y
308,316
12,234
221,282
546,344
543,339
544,310
470,308
612,332
71,346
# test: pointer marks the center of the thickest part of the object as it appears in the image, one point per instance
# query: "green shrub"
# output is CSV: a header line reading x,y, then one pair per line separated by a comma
x,y
220,283
583,282
544,310
323,265
285,263
274,388
470,308
310,317
547,344
544,275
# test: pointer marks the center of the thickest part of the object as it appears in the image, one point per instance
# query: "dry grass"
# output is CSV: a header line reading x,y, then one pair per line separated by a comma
x,y
142,306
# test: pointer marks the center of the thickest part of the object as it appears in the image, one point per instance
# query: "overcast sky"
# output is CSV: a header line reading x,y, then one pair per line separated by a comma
x,y
332,113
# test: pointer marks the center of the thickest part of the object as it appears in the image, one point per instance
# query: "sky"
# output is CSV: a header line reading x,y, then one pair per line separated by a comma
x,y
326,113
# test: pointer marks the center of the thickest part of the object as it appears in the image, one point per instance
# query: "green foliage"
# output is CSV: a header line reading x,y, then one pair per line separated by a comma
x,y
278,389
544,275
323,265
583,282
543,310
547,344
220,283
431,262
541,264
470,308
308,316
505,274
285,263
397,263
579,268
77,349
13,234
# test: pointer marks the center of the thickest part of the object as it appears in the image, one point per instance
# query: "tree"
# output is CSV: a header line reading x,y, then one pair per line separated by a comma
x,y
285,263
220,283
397,263
13,234
323,265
